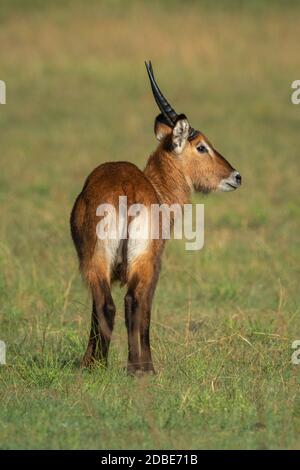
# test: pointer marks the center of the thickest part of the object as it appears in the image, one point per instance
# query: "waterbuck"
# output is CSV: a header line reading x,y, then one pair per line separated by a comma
x,y
183,161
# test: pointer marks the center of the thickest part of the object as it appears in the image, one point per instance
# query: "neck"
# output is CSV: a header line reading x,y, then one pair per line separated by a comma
x,y
165,172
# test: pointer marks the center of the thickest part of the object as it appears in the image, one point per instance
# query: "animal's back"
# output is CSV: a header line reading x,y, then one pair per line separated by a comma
x,y
110,180
105,185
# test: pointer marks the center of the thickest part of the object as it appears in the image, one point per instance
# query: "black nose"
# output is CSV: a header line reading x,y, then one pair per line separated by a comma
x,y
238,179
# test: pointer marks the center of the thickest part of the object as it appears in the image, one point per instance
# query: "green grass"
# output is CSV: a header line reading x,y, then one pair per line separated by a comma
x,y
224,318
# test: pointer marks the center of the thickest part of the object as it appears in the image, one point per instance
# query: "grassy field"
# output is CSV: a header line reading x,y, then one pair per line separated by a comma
x,y
224,318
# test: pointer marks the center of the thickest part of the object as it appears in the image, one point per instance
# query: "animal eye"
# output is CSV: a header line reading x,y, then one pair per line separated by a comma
x,y
202,149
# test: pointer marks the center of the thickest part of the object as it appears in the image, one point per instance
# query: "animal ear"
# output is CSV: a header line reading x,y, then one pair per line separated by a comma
x,y
180,134
161,127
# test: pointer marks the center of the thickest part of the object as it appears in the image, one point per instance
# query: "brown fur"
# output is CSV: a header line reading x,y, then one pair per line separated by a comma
x,y
168,178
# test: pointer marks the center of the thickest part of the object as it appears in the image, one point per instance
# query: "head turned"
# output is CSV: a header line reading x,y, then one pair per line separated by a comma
x,y
203,166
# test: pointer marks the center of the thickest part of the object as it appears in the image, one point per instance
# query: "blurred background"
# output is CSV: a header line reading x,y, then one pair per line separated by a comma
x,y
224,318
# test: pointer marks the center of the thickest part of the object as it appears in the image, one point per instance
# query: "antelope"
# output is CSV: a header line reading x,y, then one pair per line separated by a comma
x,y
184,161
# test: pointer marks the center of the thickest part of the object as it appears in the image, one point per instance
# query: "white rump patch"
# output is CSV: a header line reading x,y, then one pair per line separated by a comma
x,y
115,227
138,231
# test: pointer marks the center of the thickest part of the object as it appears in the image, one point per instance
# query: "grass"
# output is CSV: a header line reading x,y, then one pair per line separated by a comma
x,y
224,318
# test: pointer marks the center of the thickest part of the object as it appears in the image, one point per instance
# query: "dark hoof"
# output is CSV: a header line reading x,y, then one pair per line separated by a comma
x,y
91,363
138,371
87,363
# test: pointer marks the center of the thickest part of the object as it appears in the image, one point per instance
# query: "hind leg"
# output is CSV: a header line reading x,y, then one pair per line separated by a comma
x,y
102,323
142,279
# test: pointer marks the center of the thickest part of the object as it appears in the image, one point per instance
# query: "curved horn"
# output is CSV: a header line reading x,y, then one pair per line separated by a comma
x,y
165,107
167,110
192,133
